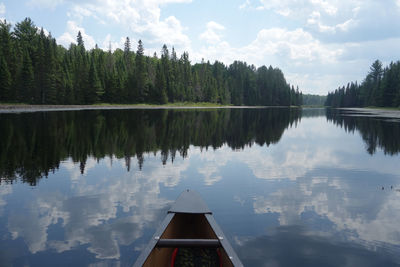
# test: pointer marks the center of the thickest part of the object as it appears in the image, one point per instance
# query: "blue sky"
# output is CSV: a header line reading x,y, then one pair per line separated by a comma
x,y
318,44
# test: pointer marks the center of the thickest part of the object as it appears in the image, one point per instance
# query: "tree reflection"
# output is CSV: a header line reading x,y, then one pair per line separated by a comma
x,y
34,144
376,133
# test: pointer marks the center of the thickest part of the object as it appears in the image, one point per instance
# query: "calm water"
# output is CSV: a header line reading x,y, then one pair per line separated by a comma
x,y
288,187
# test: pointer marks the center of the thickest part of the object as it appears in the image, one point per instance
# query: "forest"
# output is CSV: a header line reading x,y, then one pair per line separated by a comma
x,y
313,100
35,70
380,88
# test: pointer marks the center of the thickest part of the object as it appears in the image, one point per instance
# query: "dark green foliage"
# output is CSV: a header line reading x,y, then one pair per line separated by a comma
x,y
314,100
381,87
141,85
5,81
161,86
34,69
95,89
26,80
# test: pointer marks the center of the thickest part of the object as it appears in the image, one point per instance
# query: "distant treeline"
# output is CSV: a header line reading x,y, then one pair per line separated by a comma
x,y
34,69
314,100
380,88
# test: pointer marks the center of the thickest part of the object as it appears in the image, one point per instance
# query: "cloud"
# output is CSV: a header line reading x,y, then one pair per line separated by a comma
x,y
170,31
210,35
143,18
315,20
5,189
339,21
88,213
332,199
293,45
109,43
297,52
2,9
245,4
280,46
69,36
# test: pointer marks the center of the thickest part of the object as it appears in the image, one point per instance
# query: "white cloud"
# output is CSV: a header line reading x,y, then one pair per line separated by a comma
x,y
210,35
315,20
245,4
276,46
141,17
327,7
292,45
5,189
2,9
332,198
71,33
170,31
89,211
108,41
305,60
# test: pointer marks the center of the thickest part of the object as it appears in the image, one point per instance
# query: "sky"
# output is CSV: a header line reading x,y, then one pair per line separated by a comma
x,y
318,44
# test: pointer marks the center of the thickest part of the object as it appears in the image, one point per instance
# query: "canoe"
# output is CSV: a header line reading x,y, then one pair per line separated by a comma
x,y
191,228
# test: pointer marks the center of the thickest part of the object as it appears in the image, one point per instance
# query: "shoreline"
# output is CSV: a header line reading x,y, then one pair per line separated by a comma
x,y
374,112
19,108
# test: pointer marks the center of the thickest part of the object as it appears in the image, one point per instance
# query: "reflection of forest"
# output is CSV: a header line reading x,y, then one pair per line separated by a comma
x,y
313,112
375,132
33,144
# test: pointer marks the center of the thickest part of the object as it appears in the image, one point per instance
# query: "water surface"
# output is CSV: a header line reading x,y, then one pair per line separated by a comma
x,y
289,187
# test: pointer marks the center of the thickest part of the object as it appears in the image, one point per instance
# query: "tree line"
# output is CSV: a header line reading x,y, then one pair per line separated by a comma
x,y
381,88
313,100
34,69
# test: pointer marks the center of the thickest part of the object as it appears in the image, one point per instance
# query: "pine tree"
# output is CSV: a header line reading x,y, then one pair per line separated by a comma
x,y
127,46
95,89
5,81
79,39
27,81
160,86
140,73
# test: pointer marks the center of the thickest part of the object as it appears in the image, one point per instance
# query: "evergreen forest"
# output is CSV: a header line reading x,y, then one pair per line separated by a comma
x,y
35,70
313,100
380,88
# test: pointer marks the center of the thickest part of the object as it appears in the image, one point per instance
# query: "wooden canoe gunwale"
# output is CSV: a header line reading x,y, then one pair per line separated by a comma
x,y
189,206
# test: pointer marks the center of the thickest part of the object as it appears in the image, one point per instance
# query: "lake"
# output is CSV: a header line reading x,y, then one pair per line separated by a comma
x,y
289,187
